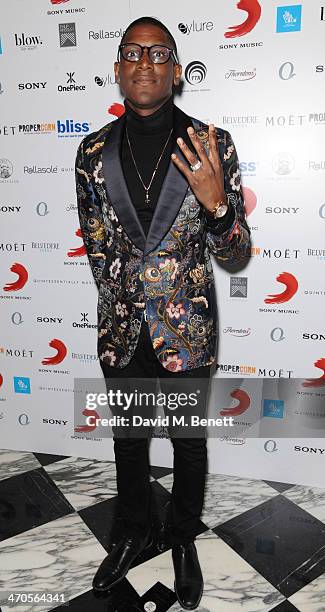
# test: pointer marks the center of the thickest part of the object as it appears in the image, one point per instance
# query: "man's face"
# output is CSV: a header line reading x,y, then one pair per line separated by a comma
x,y
146,85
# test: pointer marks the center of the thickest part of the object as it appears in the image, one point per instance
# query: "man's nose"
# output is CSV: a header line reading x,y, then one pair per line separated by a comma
x,y
145,61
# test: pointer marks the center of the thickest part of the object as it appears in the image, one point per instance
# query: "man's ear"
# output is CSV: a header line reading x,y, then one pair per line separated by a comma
x,y
177,74
117,71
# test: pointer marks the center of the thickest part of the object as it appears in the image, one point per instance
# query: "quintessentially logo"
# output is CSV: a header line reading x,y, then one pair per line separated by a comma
x,y
77,251
288,18
195,72
238,286
243,403
22,279
6,168
21,384
253,10
291,287
67,35
273,408
61,352
317,382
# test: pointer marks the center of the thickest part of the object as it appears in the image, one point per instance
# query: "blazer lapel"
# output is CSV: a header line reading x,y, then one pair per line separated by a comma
x,y
173,190
116,187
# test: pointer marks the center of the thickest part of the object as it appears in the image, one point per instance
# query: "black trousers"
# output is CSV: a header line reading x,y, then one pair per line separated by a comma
x,y
132,455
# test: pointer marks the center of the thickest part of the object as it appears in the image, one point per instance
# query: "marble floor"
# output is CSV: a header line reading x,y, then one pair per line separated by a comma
x,y
261,544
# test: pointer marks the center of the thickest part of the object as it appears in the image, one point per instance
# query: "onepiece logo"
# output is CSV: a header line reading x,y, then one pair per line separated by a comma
x,y
318,382
253,8
22,279
61,352
291,287
243,405
78,251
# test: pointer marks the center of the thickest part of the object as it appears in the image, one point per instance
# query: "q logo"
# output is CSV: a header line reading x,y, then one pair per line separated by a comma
x,y
195,72
317,382
61,352
322,211
23,419
291,287
22,279
287,71
243,403
17,318
42,209
270,446
253,10
78,251
277,334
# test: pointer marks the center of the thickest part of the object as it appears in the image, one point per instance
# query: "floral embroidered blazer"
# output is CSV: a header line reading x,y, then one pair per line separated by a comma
x,y
166,276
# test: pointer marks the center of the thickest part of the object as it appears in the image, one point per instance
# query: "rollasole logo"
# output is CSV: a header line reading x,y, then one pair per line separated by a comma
x,y
71,128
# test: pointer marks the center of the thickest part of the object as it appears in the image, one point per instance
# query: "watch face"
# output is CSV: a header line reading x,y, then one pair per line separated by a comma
x,y
221,211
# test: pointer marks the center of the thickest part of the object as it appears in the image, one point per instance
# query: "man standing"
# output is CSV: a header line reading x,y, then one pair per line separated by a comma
x,y
154,198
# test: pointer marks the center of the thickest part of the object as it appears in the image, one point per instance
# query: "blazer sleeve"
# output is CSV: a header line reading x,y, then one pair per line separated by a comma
x,y
228,238
90,217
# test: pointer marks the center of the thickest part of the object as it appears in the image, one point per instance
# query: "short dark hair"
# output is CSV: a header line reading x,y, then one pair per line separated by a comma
x,y
155,22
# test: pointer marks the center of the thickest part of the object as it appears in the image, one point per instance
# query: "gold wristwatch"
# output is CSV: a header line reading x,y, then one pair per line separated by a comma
x,y
219,210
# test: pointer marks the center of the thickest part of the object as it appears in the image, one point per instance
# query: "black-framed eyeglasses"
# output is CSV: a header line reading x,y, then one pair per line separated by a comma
x,y
158,54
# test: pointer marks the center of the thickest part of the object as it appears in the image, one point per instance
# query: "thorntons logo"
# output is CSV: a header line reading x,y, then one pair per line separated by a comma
x,y
240,75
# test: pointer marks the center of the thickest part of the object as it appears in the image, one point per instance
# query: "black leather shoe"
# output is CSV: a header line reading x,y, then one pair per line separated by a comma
x,y
117,564
188,576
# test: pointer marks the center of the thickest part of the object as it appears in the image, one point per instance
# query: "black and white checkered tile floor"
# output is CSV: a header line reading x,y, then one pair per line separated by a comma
x,y
261,544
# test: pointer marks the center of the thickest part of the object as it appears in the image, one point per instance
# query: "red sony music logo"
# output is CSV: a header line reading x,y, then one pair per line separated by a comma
x,y
88,412
59,1
61,352
291,287
1,380
78,251
253,10
116,109
317,382
22,279
244,402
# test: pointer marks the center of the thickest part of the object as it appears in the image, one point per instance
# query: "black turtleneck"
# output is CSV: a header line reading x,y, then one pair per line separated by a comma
x,y
147,136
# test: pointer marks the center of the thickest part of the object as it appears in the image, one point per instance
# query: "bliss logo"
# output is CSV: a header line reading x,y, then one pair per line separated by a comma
x,y
69,128
288,18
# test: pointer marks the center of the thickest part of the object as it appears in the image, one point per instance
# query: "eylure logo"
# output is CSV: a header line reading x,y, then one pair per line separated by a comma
x,y
27,42
103,81
195,26
253,10
67,128
195,72
288,18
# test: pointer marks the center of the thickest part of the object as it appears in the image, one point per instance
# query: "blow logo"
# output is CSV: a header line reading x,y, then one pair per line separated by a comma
x,y
61,352
291,287
253,10
22,279
77,251
70,129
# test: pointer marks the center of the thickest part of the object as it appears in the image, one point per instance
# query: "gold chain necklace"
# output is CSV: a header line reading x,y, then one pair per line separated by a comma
x,y
147,187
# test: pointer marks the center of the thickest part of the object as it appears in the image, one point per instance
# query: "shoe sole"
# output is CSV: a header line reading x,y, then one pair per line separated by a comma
x,y
113,584
182,604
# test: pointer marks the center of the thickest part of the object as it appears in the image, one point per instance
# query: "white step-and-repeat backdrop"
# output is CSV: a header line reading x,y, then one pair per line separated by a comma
x,y
256,68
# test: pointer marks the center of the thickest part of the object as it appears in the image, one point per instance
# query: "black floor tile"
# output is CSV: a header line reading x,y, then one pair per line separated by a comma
x,y
122,598
29,500
281,541
46,459
159,472
279,486
285,606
